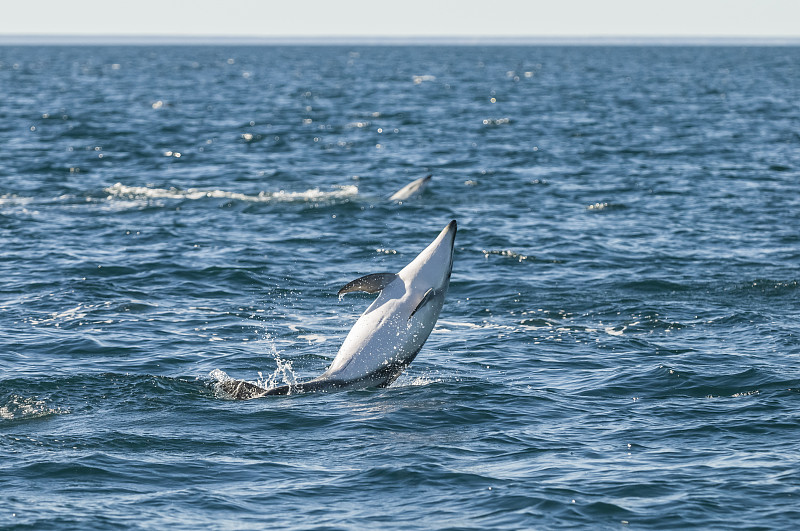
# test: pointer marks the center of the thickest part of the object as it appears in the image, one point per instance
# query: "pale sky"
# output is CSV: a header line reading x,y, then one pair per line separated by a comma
x,y
403,18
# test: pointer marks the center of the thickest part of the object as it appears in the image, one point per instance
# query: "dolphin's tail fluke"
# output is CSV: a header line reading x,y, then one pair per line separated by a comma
x,y
281,390
241,390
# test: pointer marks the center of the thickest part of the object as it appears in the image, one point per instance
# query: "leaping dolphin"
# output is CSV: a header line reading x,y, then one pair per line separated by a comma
x,y
390,333
412,189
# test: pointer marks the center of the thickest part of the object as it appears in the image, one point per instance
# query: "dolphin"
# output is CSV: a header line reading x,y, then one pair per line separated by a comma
x,y
412,189
389,334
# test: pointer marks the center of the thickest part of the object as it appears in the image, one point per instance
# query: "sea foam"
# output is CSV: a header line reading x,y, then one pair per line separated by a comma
x,y
123,191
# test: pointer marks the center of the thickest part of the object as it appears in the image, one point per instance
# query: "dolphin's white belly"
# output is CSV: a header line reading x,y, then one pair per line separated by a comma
x,y
384,335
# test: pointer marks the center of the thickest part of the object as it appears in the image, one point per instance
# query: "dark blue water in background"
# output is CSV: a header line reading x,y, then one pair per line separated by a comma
x,y
619,347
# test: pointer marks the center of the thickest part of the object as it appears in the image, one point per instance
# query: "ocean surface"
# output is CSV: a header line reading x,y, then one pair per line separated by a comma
x,y
620,343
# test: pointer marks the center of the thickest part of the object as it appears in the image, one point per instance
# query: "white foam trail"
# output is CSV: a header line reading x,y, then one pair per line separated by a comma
x,y
120,190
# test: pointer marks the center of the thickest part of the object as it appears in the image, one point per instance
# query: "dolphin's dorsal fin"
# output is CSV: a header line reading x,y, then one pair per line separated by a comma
x,y
425,300
370,283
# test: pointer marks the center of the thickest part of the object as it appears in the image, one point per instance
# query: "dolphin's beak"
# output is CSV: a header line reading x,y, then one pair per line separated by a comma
x,y
450,232
436,261
448,235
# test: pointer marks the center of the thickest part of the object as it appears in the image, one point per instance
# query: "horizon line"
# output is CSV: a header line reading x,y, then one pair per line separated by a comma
x,y
149,39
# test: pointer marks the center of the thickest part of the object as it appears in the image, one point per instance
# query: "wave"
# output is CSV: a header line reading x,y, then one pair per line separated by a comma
x,y
16,407
122,191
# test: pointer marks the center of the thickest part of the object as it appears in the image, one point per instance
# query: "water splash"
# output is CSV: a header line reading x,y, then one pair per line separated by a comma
x,y
424,379
282,375
597,207
507,254
496,121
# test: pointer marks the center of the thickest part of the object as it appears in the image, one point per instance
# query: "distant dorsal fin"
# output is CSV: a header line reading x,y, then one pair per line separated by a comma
x,y
370,283
411,189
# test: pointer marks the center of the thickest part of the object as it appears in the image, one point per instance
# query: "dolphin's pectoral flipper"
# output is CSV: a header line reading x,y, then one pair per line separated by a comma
x,y
425,300
370,283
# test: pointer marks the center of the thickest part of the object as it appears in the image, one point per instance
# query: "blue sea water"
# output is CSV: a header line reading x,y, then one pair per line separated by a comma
x,y
619,347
